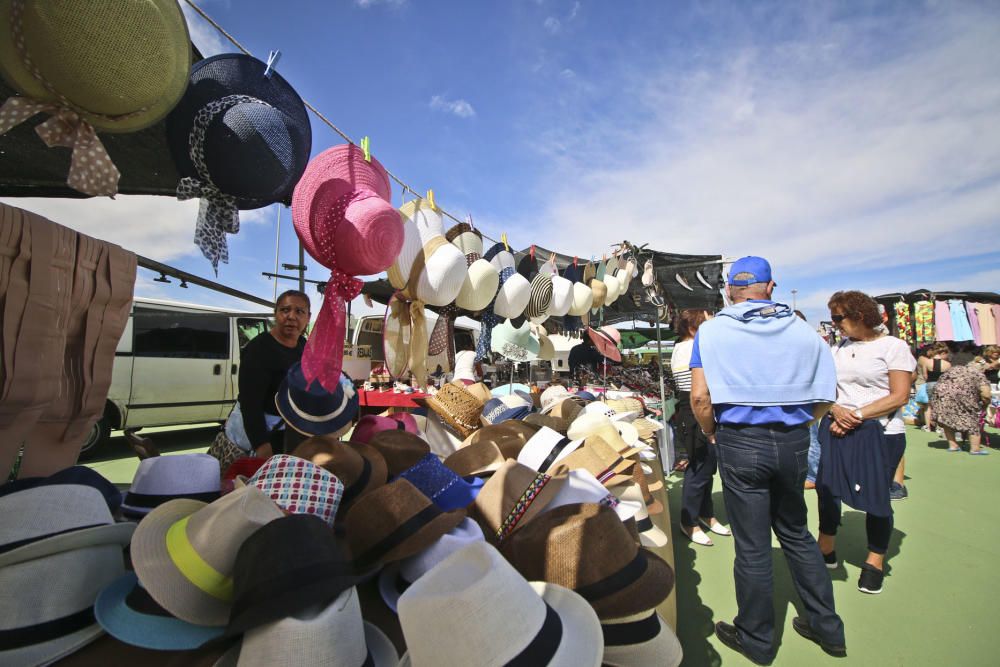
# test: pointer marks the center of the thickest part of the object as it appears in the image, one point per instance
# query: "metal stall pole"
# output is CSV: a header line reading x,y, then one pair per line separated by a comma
x,y
663,398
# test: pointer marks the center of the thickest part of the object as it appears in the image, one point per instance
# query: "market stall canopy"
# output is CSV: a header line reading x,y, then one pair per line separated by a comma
x,y
930,295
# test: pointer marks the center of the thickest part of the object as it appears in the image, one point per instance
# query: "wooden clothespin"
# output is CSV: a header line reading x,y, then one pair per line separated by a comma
x,y
366,146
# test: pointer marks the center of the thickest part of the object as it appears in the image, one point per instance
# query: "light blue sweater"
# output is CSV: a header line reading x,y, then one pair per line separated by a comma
x,y
759,353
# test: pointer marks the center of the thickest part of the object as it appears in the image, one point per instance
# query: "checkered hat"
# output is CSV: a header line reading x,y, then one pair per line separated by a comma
x,y
299,486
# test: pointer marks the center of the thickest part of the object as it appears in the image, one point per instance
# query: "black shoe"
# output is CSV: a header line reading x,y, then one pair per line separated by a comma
x,y
802,627
831,560
727,635
870,580
898,492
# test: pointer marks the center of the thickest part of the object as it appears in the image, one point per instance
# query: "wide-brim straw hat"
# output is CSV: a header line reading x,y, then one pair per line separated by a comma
x,y
639,640
310,409
583,298
466,239
614,289
399,449
601,460
256,150
511,497
458,407
541,297
546,350
617,577
184,551
546,448
513,297
562,296
491,616
394,522
358,465
121,65
509,437
479,286
515,343
444,266
163,478
599,293
605,343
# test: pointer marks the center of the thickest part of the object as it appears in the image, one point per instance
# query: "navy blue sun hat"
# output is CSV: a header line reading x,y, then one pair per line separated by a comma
x,y
442,485
312,410
81,475
129,614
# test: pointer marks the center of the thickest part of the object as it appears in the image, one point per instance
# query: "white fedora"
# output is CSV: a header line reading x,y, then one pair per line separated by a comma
x,y
444,268
649,534
613,432
474,608
553,396
583,298
163,478
582,487
562,296
397,577
545,448
640,640
479,286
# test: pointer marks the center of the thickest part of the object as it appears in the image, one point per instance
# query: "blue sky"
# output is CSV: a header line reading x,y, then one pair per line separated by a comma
x,y
857,145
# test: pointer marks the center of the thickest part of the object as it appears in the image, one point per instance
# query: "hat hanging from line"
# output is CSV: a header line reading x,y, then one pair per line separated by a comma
x,y
125,79
546,350
163,478
240,140
458,407
515,344
395,579
467,239
515,289
299,486
445,489
511,497
359,466
428,268
492,617
604,340
342,215
599,291
562,296
312,410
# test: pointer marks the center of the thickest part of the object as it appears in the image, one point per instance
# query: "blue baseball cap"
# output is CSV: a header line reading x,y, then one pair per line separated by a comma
x,y
758,267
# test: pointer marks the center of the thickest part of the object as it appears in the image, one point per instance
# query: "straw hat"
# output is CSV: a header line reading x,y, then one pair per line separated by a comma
x,y
394,522
611,432
445,489
599,292
428,268
650,534
552,396
509,437
546,350
569,408
513,297
479,286
541,297
395,579
626,405
614,287
475,609
299,486
511,497
639,640
482,458
618,578
332,635
467,239
359,466
184,551
582,487
600,459
554,423
240,140
480,391
310,409
515,343
545,448
399,450
163,478
583,297
562,296
458,407
606,340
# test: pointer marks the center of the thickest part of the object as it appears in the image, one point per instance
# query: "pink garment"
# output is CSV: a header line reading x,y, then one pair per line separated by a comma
x,y
942,321
996,319
987,324
970,310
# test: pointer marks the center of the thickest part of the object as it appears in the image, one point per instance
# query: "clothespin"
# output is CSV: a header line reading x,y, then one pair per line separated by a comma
x,y
552,258
503,239
468,220
430,199
576,262
532,251
272,62
366,146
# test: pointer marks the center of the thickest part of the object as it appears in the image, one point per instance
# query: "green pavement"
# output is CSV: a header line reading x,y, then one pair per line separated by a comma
x,y
937,604
116,461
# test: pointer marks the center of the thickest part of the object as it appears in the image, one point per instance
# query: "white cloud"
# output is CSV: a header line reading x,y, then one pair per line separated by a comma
x,y
552,24
208,40
458,107
574,11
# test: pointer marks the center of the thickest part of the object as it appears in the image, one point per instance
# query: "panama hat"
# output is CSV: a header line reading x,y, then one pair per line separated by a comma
x,y
299,486
393,522
554,423
163,478
583,298
480,391
342,215
617,578
310,409
428,268
492,617
479,286
458,407
583,487
330,635
482,458
395,579
399,449
359,466
613,433
439,483
515,343
184,551
639,640
552,396
650,534
600,459
545,448
467,239
509,437
369,425
604,341
79,475
562,296
511,497
569,408
240,140
599,292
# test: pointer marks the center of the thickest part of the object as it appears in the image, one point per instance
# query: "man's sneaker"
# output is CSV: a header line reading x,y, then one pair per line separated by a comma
x,y
831,560
801,626
870,580
897,491
727,635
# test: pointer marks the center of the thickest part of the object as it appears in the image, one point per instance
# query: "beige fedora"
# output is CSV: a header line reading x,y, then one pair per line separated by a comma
x,y
444,267
599,291
601,460
511,497
509,437
478,287
613,433
555,423
482,458
480,391
546,350
184,551
639,640
473,608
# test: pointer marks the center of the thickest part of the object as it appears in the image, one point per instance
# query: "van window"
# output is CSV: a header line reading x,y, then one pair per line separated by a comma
x,y
249,328
180,335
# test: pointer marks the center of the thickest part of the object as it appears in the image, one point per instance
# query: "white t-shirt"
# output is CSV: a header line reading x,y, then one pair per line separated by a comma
x,y
680,364
863,374
465,365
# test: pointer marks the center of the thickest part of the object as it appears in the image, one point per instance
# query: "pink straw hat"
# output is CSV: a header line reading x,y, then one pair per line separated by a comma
x,y
342,214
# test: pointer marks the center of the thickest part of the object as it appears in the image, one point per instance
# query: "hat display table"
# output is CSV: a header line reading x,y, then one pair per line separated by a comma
x,y
668,608
389,399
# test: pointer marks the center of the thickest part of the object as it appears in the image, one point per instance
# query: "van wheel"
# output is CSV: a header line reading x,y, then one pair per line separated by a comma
x,y
97,437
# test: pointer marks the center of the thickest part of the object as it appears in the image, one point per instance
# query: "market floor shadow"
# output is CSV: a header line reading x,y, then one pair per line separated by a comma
x,y
852,545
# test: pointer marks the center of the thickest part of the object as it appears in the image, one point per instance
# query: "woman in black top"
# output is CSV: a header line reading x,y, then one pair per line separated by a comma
x,y
931,365
263,364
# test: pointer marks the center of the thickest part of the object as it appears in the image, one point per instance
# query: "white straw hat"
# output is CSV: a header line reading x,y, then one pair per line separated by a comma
x,y
614,289
473,608
444,270
553,396
562,296
582,487
545,448
650,534
479,286
640,640
583,298
613,432
513,297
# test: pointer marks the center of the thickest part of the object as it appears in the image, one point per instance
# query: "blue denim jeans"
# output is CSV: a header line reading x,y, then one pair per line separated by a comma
x,y
763,469
813,452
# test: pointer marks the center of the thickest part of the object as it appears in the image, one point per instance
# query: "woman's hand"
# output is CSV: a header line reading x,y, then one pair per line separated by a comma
x,y
844,418
836,430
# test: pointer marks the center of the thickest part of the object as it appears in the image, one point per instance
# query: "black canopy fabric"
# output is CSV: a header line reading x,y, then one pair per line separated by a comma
x,y
930,295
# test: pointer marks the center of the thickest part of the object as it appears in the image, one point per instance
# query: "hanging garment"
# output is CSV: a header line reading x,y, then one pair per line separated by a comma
x,y
923,318
904,326
970,311
987,324
942,321
996,320
960,320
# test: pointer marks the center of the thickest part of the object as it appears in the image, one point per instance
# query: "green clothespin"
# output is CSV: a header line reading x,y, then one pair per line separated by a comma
x,y
366,146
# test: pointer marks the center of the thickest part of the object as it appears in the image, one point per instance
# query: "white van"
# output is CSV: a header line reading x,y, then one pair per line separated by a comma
x,y
176,363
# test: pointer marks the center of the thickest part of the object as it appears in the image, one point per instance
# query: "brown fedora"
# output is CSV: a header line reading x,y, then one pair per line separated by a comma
x,y
601,460
394,522
400,449
511,497
359,466
617,577
569,409
482,458
555,423
508,436
653,506
458,407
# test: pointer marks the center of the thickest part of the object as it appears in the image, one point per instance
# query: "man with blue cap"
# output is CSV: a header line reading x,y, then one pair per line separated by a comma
x,y
759,376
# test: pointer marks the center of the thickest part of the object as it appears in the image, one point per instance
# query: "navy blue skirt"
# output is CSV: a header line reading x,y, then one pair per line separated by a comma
x,y
853,468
